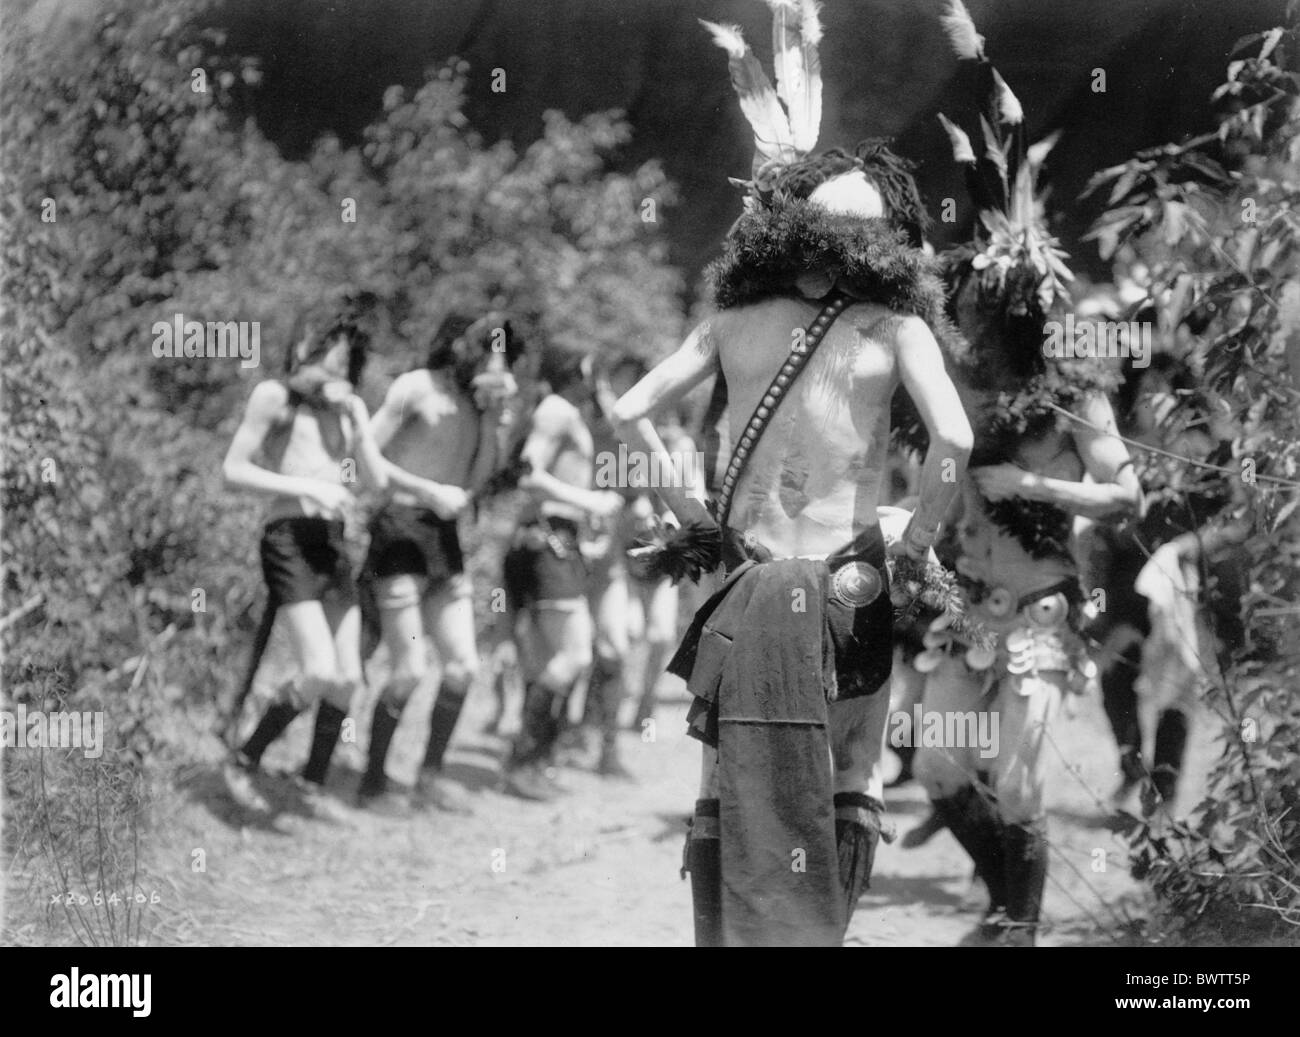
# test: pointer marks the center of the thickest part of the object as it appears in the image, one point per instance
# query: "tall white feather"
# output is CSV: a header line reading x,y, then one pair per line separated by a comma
x,y
1009,108
1025,204
961,146
786,55
758,101
728,37
806,112
960,27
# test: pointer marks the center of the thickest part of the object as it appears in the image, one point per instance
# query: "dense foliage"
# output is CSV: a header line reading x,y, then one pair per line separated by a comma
x,y
130,193
1216,222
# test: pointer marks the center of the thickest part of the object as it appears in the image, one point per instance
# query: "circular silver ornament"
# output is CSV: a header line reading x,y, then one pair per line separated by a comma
x,y
856,584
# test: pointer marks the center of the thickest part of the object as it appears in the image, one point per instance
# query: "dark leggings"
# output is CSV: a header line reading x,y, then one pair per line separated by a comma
x,y
1120,700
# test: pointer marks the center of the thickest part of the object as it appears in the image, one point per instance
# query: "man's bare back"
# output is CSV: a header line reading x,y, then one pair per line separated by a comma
x,y
813,482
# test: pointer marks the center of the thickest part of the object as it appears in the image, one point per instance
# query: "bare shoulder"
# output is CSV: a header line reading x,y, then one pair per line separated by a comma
x,y
269,401
411,386
555,415
874,322
908,328
912,339
706,334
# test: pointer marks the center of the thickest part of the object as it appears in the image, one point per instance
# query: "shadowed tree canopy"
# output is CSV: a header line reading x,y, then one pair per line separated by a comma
x,y
887,66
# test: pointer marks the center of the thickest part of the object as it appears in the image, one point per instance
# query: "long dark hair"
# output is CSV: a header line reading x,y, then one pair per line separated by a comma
x,y
462,339
1182,381
320,325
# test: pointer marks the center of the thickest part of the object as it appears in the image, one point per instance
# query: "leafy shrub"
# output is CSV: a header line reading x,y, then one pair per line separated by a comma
x,y
1217,221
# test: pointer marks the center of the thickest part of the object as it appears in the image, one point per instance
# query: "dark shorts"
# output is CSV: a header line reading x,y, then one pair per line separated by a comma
x,y
306,559
406,540
545,564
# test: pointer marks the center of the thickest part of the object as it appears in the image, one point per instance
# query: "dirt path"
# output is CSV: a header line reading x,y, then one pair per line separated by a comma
x,y
598,868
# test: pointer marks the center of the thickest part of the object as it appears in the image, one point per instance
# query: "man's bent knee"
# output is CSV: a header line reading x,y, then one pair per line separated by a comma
x,y
339,691
401,686
460,674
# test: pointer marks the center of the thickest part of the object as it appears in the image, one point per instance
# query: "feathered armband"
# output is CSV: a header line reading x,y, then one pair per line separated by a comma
x,y
686,552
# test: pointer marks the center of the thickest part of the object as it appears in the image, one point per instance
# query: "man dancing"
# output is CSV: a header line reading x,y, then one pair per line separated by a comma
x,y
628,608
791,653
1036,470
545,574
299,442
438,428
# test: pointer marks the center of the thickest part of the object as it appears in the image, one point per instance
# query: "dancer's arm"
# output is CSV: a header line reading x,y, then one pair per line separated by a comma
x,y
398,406
372,465
1114,491
694,361
265,408
550,427
921,371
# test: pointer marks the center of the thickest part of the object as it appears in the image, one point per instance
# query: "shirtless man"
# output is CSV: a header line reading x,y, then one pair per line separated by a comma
x,y
438,428
655,602
545,574
803,520
1030,597
628,608
300,442
1033,471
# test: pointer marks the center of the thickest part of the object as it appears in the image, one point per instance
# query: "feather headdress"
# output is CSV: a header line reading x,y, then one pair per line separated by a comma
x,y
1017,259
786,118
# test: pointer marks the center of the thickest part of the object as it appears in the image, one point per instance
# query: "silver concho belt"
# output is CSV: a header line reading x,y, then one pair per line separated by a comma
x,y
856,584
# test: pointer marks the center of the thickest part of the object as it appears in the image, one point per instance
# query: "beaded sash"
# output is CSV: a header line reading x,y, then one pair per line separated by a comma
x,y
758,421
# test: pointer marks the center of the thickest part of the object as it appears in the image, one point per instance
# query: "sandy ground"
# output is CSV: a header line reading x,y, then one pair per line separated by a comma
x,y
598,868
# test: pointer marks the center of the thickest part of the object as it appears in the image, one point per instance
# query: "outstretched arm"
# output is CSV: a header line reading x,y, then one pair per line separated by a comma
x,y
921,370
694,361
1114,490
372,464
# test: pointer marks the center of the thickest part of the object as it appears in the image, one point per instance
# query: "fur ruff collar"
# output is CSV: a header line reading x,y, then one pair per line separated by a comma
x,y
866,259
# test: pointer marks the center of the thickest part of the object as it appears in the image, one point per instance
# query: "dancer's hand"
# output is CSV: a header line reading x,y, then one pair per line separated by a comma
x,y
331,498
896,548
337,393
1000,481
446,501
605,395
358,413
606,503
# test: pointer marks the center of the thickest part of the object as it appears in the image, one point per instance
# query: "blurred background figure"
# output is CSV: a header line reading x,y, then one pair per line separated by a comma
x,y
1170,586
